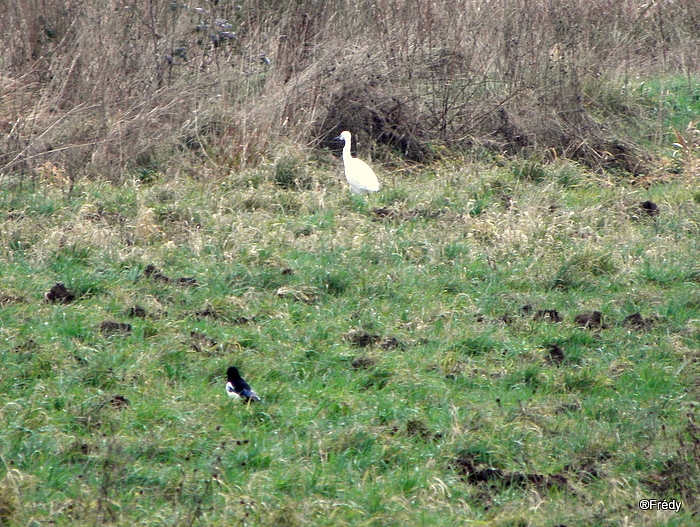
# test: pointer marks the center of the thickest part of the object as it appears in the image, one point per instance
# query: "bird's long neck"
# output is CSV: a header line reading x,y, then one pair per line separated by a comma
x,y
346,151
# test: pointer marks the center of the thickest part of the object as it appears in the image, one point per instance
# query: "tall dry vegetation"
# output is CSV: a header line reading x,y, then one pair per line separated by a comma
x,y
105,88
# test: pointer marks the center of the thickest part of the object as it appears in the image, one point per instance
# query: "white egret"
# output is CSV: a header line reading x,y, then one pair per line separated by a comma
x,y
360,176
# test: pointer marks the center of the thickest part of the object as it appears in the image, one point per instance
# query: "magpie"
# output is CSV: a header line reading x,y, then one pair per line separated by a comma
x,y
237,387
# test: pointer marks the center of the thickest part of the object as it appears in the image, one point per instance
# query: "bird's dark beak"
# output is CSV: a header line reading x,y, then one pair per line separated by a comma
x,y
338,139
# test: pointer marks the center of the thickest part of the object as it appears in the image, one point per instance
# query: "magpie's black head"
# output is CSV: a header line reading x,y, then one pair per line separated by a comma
x,y
232,373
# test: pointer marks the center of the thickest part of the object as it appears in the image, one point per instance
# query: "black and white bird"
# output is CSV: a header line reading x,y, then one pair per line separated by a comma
x,y
237,387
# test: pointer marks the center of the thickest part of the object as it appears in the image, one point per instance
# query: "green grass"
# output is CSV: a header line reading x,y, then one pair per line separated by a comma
x,y
457,382
679,98
653,110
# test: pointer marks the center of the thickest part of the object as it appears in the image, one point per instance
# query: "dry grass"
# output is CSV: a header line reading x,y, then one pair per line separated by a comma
x,y
115,87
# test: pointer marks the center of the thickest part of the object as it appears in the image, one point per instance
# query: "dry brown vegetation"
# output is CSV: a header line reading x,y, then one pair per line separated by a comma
x,y
108,88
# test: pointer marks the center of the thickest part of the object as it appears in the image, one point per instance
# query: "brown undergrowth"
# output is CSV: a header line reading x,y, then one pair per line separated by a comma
x,y
127,88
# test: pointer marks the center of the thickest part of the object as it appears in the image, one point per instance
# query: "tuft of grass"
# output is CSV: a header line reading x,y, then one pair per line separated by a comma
x,y
581,268
531,170
290,174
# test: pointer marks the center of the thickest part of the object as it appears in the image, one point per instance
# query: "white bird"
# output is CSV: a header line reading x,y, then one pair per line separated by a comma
x,y
360,176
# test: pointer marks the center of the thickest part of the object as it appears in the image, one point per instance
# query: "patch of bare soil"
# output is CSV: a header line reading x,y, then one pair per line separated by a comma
x,y
590,320
58,294
136,312
7,299
649,208
119,402
638,322
110,327
152,272
391,214
477,473
555,355
361,339
548,315
363,363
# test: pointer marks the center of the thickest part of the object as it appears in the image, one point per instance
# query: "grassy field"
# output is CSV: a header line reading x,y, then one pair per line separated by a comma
x,y
507,334
429,355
